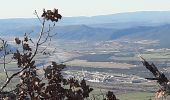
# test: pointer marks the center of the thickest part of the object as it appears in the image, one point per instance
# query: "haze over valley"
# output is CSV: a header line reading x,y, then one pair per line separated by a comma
x,y
104,49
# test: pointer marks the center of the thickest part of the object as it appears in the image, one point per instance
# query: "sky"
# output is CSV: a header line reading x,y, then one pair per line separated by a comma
x,y
26,8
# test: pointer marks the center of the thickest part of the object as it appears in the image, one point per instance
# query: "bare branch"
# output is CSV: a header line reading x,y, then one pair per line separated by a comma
x,y
39,39
35,52
48,34
38,17
10,78
44,49
4,57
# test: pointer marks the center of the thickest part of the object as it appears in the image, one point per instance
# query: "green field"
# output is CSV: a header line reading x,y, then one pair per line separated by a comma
x,y
136,96
128,96
157,55
99,94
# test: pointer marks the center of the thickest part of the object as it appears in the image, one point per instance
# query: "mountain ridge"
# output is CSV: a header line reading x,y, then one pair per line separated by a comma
x,y
133,25
117,17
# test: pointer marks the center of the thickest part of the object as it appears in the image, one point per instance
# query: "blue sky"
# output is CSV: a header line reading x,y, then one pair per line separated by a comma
x,y
25,8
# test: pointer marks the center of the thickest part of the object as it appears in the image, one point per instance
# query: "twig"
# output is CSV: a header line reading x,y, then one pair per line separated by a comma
x,y
38,17
48,34
4,58
35,52
39,39
9,79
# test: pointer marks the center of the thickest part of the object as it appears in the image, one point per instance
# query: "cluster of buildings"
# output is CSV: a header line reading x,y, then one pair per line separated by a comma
x,y
104,77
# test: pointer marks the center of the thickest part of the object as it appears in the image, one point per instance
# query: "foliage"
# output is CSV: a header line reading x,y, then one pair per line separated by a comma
x,y
110,96
160,77
53,86
51,15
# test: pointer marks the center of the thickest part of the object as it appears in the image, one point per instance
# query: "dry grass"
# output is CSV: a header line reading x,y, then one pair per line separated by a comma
x,y
85,63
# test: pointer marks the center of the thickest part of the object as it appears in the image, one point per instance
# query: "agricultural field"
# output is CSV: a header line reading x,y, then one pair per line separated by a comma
x,y
114,70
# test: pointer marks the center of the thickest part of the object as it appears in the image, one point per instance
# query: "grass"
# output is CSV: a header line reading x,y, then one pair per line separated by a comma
x,y
77,62
128,95
123,96
157,55
136,96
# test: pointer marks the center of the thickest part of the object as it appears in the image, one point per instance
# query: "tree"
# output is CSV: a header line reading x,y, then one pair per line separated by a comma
x,y
31,86
162,80
54,86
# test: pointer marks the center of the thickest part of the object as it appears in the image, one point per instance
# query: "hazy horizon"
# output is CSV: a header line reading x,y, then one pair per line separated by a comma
x,y
92,15
25,9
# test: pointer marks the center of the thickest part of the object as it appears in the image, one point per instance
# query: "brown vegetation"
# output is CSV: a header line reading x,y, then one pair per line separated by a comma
x,y
53,86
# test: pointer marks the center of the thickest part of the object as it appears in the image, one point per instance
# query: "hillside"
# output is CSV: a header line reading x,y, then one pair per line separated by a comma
x,y
139,18
152,25
83,32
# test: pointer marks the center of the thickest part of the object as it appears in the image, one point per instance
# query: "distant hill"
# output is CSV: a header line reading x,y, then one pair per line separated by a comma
x,y
83,32
149,17
153,25
140,18
161,33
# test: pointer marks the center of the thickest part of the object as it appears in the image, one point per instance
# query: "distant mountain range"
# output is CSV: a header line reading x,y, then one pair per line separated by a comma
x,y
153,25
